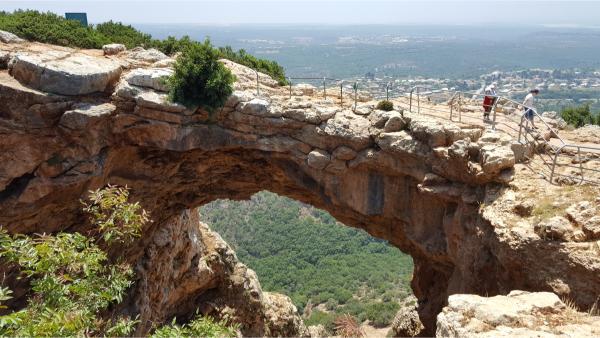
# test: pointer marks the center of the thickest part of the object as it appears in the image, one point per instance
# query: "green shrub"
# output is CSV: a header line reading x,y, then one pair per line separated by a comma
x,y
70,276
198,327
54,29
172,45
117,32
200,79
385,105
322,318
579,116
271,68
73,282
51,28
382,314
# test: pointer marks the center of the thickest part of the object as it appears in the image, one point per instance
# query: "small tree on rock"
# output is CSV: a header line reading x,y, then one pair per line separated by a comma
x,y
200,79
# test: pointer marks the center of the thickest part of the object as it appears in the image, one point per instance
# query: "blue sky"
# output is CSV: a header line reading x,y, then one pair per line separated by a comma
x,y
532,12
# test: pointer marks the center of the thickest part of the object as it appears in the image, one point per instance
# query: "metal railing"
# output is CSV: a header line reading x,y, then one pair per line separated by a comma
x,y
580,161
456,103
548,152
344,86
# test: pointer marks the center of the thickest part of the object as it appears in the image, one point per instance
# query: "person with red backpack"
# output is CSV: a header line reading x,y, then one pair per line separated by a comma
x,y
489,100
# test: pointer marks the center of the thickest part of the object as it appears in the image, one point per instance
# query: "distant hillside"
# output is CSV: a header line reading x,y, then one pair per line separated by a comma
x,y
303,252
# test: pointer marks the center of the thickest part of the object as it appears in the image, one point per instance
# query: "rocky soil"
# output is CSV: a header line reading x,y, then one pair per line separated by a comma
x,y
518,314
439,191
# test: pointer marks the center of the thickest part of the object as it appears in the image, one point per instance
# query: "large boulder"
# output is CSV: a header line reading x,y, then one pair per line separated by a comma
x,y
4,58
282,319
147,55
65,73
155,78
556,228
495,158
84,114
406,323
519,314
8,37
113,49
318,159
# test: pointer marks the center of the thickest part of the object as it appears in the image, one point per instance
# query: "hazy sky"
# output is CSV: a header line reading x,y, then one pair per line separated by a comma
x,y
581,13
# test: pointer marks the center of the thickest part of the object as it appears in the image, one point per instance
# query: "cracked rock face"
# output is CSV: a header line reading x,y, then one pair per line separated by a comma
x,y
204,273
417,183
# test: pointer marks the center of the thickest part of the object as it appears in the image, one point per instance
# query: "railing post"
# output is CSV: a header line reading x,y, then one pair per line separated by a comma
x,y
580,163
418,102
387,91
451,107
324,89
341,93
290,82
355,93
521,128
459,107
410,100
257,84
494,110
554,162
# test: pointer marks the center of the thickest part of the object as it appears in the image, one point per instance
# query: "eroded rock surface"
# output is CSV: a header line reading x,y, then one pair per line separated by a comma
x,y
428,187
65,73
519,314
185,266
8,37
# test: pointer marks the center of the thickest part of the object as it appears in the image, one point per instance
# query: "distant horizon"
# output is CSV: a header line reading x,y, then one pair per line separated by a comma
x,y
578,14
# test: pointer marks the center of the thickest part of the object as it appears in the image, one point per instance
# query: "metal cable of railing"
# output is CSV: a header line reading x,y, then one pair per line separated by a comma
x,y
457,102
523,132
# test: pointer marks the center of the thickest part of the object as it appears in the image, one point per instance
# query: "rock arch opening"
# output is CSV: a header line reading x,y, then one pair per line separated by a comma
x,y
406,178
326,268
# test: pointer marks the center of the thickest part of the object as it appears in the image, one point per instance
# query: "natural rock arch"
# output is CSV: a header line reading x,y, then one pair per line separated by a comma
x,y
409,179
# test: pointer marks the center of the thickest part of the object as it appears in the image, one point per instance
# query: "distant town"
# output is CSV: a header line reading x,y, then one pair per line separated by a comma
x,y
559,87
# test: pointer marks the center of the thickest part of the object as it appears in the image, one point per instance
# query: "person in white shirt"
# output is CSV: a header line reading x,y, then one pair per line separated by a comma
x,y
529,106
489,100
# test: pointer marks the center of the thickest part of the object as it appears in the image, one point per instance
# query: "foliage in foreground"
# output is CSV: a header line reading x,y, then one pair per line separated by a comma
x,y
579,116
72,279
51,28
303,252
200,79
198,327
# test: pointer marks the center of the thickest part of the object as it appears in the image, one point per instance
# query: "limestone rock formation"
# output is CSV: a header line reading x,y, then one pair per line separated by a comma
x,y
65,73
146,55
8,37
185,266
155,78
406,323
435,189
519,314
113,49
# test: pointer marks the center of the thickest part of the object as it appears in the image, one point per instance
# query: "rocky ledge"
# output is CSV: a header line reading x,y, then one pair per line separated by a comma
x,y
519,314
427,186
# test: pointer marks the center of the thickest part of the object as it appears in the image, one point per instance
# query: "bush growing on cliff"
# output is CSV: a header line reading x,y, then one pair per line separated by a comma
x,y
200,79
385,105
198,327
579,116
271,68
72,279
70,276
